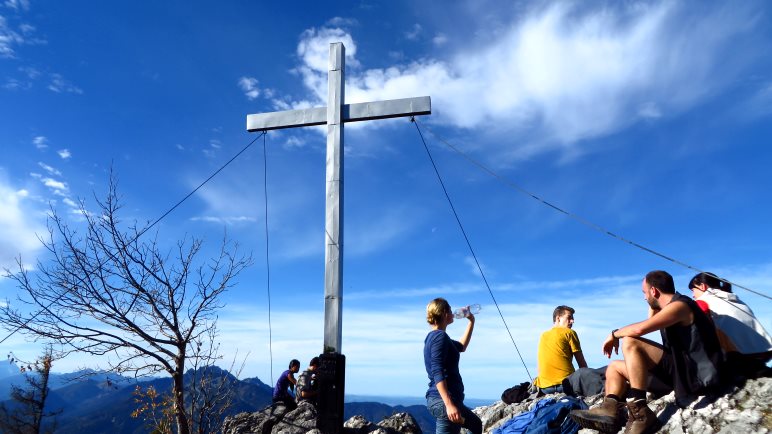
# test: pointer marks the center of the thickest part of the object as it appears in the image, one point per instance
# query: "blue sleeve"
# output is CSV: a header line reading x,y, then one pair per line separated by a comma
x,y
437,357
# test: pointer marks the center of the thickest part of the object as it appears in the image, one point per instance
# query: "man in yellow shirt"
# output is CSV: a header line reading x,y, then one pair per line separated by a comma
x,y
557,346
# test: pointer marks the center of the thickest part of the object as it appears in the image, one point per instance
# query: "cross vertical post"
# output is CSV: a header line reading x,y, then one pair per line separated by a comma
x,y
331,372
333,254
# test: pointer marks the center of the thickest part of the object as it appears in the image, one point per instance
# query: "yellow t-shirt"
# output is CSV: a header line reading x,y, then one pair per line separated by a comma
x,y
556,350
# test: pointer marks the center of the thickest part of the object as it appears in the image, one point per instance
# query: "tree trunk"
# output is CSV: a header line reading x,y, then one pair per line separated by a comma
x,y
178,390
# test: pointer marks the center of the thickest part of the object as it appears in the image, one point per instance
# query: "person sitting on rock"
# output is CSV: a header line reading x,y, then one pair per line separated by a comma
x,y
306,388
748,347
689,359
286,383
557,347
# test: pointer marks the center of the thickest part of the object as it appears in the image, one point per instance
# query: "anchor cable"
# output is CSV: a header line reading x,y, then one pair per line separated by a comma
x,y
469,245
579,219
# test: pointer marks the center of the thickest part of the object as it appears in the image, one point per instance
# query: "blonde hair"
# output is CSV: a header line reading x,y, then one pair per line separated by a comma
x,y
436,310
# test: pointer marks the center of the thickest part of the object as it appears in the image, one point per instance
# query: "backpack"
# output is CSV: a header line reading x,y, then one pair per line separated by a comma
x,y
516,394
554,419
519,423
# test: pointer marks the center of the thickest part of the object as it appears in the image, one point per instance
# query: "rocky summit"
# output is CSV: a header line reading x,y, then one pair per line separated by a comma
x,y
743,409
302,420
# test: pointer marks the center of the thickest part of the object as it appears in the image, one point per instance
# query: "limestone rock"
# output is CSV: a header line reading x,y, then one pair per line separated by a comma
x,y
743,409
276,420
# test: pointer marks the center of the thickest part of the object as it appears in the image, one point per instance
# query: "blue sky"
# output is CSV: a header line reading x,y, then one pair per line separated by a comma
x,y
650,119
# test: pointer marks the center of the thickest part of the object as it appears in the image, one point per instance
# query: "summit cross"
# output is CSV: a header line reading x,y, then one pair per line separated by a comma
x,y
335,115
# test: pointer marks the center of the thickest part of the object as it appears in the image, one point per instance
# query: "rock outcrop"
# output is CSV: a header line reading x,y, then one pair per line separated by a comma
x,y
277,420
746,409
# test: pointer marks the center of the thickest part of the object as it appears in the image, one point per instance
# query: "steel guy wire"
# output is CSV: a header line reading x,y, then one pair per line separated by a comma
x,y
469,245
580,219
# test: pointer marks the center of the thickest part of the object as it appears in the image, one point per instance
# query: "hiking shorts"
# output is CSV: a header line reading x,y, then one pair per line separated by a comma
x,y
660,381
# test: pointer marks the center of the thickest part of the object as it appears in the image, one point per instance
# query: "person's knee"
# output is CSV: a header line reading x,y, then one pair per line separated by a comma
x,y
615,367
631,344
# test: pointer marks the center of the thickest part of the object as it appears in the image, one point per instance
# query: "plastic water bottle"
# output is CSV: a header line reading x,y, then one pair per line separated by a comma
x,y
463,312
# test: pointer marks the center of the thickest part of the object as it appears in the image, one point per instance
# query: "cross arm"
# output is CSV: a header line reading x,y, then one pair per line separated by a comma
x,y
351,113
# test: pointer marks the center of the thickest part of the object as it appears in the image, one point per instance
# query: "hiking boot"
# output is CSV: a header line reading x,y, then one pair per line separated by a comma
x,y
606,418
640,418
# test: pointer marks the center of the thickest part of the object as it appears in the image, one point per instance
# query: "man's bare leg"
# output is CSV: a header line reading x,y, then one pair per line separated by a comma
x,y
641,356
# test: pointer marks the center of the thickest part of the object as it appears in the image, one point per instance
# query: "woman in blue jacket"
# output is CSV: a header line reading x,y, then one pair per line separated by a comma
x,y
445,397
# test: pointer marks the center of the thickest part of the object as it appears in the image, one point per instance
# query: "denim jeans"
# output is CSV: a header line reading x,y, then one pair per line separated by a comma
x,y
558,388
444,426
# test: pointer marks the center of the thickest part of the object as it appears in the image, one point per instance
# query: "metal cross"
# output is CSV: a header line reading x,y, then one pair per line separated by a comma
x,y
335,115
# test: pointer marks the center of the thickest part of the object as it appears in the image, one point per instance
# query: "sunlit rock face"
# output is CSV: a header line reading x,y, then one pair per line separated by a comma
x,y
746,409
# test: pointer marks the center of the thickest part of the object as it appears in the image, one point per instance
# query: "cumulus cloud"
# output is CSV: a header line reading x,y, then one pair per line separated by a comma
x,y
249,86
558,73
64,154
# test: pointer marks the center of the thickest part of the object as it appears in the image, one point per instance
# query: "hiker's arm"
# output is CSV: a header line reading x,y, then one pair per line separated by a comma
x,y
580,359
671,314
467,336
450,408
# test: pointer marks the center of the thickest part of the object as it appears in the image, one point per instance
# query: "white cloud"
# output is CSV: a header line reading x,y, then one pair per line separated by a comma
x,y
58,84
342,22
440,39
558,73
231,220
18,225
30,72
249,86
19,5
293,142
64,154
71,203
8,39
414,33
473,267
49,169
57,186
40,142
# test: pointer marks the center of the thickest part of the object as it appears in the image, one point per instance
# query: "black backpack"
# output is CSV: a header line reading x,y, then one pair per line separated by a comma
x,y
516,394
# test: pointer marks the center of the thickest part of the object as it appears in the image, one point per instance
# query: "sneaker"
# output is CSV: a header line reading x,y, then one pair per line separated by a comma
x,y
640,418
606,418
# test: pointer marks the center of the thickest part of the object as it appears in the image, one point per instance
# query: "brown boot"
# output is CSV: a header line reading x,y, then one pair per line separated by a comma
x,y
606,418
640,418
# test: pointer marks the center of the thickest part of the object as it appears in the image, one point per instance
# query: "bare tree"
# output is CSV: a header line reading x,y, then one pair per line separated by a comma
x,y
110,292
25,413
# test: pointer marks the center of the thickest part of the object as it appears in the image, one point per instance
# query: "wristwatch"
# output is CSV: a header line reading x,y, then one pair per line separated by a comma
x,y
612,333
